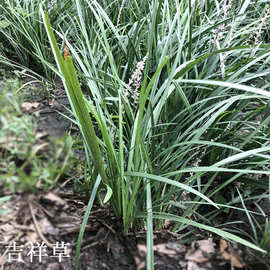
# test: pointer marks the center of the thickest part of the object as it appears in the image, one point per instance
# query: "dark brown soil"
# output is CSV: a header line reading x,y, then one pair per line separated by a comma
x,y
54,220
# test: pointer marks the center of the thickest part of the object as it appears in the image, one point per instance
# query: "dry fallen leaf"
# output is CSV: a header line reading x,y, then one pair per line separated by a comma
x,y
162,248
53,103
51,198
40,135
140,264
142,249
27,106
201,251
229,254
47,227
194,266
170,249
179,248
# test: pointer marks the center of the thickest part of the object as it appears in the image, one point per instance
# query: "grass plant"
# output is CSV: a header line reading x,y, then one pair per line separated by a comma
x,y
175,111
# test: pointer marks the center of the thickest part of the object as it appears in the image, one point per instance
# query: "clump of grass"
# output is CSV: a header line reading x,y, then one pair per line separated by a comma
x,y
200,127
192,133
23,42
